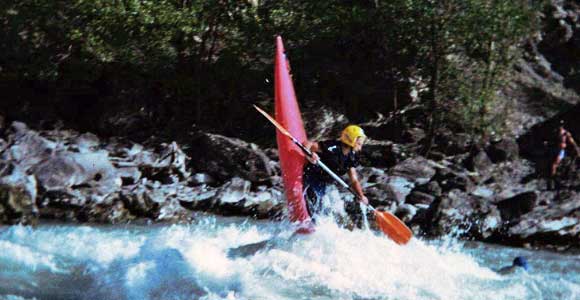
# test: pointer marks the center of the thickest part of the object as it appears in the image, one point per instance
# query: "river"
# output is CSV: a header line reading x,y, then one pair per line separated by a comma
x,y
211,259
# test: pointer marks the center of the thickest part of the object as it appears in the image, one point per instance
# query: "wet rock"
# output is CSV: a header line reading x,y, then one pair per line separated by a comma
x,y
417,170
13,175
451,143
503,150
483,192
265,204
173,211
406,212
235,198
517,206
272,153
417,197
90,171
59,172
371,175
449,179
383,189
16,205
432,188
414,135
140,201
547,225
129,175
27,147
462,214
224,158
202,178
479,162
382,194
87,142
170,162
401,188
202,198
324,123
161,202
114,213
233,191
18,192
381,154
173,158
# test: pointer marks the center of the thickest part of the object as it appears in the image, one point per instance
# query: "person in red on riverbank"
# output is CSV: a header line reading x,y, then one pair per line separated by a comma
x,y
563,139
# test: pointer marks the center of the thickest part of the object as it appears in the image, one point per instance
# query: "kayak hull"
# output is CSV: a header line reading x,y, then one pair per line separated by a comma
x,y
291,158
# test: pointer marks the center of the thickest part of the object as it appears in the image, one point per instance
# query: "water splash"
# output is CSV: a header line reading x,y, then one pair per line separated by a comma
x,y
192,262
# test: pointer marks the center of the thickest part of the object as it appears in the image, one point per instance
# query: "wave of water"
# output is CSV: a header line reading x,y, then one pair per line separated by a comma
x,y
211,260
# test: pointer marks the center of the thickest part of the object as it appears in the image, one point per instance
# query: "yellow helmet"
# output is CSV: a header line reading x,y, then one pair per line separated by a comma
x,y
350,134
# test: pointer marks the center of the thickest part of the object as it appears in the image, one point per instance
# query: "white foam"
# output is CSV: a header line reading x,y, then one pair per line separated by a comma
x,y
28,257
332,263
136,273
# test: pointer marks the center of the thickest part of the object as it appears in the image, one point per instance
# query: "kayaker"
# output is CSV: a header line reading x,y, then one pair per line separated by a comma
x,y
341,156
519,262
563,138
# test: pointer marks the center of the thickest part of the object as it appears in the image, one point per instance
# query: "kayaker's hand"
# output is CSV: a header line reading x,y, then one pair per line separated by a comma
x,y
364,200
313,159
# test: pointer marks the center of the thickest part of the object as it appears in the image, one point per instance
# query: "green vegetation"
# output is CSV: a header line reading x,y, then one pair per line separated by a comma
x,y
181,61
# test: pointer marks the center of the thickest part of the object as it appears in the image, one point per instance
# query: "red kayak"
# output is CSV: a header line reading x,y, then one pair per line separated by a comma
x,y
290,137
291,157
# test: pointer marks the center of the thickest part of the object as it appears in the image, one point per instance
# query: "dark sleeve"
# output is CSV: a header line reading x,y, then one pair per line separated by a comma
x,y
323,145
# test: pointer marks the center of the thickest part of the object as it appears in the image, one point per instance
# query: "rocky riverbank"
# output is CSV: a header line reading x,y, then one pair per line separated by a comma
x,y
485,193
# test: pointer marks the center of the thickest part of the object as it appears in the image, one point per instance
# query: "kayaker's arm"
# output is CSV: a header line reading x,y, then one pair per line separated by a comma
x,y
355,183
314,147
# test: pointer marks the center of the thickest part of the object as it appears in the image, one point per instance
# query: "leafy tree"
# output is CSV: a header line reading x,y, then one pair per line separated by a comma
x,y
178,62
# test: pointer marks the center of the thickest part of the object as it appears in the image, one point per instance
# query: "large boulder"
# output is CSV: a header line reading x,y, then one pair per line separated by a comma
x,y
91,172
383,189
514,207
27,147
224,158
458,213
557,225
417,170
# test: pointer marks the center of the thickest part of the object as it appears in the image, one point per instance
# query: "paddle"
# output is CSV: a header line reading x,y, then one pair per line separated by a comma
x,y
387,222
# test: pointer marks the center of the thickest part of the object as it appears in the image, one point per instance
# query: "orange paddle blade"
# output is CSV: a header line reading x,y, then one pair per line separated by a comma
x,y
273,121
394,228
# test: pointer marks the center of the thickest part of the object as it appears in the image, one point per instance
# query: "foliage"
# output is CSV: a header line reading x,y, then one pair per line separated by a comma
x,y
205,61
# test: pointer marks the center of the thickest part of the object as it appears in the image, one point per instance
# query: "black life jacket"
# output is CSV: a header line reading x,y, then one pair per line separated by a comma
x,y
331,155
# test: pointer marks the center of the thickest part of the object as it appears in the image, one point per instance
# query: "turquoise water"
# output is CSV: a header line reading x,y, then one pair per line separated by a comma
x,y
209,260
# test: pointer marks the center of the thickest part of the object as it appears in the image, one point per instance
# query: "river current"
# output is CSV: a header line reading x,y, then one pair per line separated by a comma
x,y
238,258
